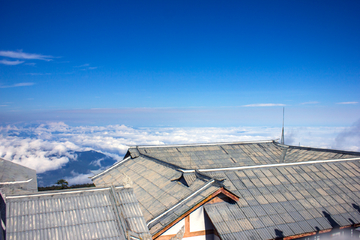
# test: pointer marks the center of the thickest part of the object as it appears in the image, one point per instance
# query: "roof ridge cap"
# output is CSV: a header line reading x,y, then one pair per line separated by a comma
x,y
166,164
200,144
278,164
110,168
60,192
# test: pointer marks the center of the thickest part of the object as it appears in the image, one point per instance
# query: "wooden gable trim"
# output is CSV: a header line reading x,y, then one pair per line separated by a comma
x,y
229,194
211,196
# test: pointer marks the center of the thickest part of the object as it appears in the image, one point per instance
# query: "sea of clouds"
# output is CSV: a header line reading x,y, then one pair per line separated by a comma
x,y
51,145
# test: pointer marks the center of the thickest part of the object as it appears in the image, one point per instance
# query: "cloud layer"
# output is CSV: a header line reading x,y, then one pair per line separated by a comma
x,y
349,138
49,146
37,154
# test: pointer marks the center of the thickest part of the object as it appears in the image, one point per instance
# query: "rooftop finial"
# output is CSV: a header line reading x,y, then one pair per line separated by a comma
x,y
282,132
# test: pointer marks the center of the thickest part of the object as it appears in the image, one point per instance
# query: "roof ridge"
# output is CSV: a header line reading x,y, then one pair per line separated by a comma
x,y
128,157
318,149
200,144
60,192
181,202
166,164
111,167
277,165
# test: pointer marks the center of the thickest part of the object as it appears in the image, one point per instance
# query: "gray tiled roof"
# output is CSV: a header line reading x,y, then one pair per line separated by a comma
x,y
16,179
91,213
283,188
300,200
158,189
236,154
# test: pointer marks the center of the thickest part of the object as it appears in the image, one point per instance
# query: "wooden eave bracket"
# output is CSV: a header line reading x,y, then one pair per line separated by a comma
x,y
228,194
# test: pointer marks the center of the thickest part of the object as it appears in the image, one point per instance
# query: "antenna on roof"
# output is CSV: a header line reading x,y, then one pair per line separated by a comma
x,y
282,132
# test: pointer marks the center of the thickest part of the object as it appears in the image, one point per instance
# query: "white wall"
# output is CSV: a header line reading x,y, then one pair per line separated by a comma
x,y
198,222
174,229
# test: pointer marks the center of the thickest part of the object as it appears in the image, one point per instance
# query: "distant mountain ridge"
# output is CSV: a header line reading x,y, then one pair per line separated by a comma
x,y
85,163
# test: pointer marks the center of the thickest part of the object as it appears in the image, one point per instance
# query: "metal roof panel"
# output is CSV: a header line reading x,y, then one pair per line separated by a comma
x,y
53,213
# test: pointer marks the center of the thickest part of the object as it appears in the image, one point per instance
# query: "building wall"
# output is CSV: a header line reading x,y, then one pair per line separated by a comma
x,y
2,217
338,234
196,226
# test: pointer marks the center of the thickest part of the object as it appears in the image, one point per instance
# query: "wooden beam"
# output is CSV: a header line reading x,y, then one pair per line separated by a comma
x,y
229,194
187,224
211,196
191,234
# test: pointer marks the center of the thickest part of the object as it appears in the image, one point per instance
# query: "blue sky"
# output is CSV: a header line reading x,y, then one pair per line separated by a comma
x,y
180,63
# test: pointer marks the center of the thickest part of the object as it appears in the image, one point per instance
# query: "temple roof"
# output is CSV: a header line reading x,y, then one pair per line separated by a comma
x,y
280,190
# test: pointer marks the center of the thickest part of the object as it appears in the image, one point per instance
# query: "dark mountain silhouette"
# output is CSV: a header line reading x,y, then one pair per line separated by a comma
x,y
85,162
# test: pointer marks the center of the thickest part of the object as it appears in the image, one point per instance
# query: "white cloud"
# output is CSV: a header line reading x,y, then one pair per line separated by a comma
x,y
11,63
346,103
51,145
25,84
320,137
349,138
22,55
79,178
265,105
38,154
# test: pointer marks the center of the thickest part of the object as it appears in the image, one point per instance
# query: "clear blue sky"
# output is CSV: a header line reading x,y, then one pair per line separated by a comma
x,y
180,63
